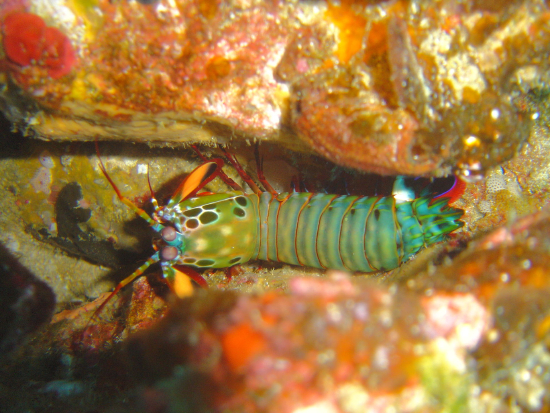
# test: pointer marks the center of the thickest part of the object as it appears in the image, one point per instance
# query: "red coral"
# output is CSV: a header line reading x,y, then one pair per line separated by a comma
x,y
28,41
23,34
58,53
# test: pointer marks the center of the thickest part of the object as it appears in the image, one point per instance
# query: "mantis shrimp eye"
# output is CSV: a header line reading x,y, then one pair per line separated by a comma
x,y
168,233
168,253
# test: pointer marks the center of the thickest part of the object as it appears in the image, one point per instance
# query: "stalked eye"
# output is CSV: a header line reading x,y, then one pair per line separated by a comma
x,y
168,233
169,253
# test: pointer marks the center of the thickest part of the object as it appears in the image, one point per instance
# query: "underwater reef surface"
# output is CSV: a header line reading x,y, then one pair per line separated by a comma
x,y
393,87
471,334
420,88
435,334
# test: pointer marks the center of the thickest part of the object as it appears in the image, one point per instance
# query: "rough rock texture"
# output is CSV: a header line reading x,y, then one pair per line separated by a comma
x,y
470,335
395,87
411,87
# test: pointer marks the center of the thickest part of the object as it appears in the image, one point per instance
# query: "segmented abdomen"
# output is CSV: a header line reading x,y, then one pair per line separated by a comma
x,y
349,232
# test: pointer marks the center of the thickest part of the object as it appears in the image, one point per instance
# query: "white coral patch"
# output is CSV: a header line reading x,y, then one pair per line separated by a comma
x,y
485,206
461,72
495,183
42,180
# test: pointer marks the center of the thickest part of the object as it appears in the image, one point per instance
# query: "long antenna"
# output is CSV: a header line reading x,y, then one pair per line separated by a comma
x,y
122,198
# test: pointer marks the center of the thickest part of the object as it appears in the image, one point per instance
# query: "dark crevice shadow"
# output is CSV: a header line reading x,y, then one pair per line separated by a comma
x,y
77,242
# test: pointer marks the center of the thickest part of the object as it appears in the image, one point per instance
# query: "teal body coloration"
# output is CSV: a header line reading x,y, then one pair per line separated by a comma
x,y
349,232
315,230
352,233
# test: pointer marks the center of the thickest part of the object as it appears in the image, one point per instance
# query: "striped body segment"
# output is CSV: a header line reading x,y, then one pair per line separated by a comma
x,y
354,233
316,230
349,232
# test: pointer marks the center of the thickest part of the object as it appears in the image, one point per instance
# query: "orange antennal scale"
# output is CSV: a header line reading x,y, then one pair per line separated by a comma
x,y
193,274
180,278
224,177
196,180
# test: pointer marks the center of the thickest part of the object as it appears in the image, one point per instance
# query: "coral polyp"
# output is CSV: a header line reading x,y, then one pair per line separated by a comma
x,y
28,41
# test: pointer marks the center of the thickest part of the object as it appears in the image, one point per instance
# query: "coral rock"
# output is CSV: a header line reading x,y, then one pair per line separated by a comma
x,y
390,87
23,36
